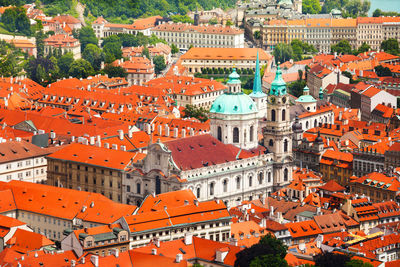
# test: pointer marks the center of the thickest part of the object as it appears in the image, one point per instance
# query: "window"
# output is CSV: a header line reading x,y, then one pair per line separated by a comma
x,y
198,192
273,115
250,181
158,185
225,185
238,182
236,135
286,175
269,177
251,133
219,133
212,188
128,188
271,142
285,145
138,188
283,114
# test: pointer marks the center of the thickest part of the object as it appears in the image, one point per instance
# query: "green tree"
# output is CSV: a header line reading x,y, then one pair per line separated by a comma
x,y
311,7
64,63
383,71
87,36
377,13
343,47
213,21
94,55
229,23
356,8
40,69
15,20
331,259
363,48
390,46
282,52
194,112
159,64
296,88
358,263
115,71
112,51
181,18
174,49
146,52
268,250
81,68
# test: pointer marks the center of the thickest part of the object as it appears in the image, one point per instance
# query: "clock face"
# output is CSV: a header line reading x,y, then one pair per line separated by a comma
x,y
284,99
272,100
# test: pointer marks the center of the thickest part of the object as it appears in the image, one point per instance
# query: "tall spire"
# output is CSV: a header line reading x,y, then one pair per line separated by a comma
x,y
257,89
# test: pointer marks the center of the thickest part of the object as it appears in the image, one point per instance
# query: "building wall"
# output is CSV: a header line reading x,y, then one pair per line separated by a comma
x,y
333,172
375,194
90,178
30,170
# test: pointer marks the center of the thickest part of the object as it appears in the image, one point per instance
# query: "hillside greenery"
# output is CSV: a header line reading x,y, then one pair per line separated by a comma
x,y
118,10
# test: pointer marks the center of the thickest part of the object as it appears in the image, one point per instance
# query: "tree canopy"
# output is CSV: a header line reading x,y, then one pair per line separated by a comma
x,y
159,64
343,47
269,251
390,46
311,7
283,52
16,21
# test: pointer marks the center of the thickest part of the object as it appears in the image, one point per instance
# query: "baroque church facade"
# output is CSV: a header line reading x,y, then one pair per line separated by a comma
x,y
230,163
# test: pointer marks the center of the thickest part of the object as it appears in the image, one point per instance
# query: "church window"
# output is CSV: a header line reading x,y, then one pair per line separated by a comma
x,y
138,188
219,133
260,177
315,123
269,177
238,182
236,135
286,175
273,115
250,181
251,133
283,114
285,145
307,125
271,142
225,185
158,159
212,188
198,192
158,185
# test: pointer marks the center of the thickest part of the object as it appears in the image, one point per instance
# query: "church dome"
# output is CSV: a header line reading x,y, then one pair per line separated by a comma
x,y
233,104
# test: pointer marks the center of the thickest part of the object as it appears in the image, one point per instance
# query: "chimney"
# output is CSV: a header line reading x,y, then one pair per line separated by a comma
x,y
183,133
121,134
159,130
196,202
233,242
115,252
175,132
130,131
85,141
191,132
188,239
220,254
92,140
115,146
166,130
95,260
179,258
123,148
106,145
52,135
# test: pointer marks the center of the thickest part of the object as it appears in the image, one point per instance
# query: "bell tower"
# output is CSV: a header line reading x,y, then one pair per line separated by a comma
x,y
278,131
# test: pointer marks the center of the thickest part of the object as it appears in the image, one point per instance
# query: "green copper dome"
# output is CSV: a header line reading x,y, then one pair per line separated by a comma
x,y
306,99
278,86
233,77
233,104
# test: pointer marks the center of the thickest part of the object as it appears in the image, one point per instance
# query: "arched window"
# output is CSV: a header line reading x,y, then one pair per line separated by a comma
x,y
236,135
158,185
271,142
269,177
250,181
225,185
251,133
260,177
307,125
198,192
286,175
238,182
273,115
219,133
285,145
315,123
212,189
283,114
138,188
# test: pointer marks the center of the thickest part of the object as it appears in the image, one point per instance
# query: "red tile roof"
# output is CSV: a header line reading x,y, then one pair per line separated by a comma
x,y
24,241
303,229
